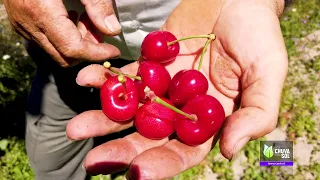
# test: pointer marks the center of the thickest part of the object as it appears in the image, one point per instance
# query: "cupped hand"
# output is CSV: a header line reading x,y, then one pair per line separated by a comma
x,y
246,65
48,23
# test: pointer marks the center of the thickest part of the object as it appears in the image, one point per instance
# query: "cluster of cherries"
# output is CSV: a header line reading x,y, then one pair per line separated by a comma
x,y
161,105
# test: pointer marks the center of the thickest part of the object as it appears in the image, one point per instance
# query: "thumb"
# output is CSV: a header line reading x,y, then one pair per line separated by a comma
x,y
260,104
102,15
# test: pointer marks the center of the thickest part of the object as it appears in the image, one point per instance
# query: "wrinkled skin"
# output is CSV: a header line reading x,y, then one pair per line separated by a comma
x,y
246,66
48,23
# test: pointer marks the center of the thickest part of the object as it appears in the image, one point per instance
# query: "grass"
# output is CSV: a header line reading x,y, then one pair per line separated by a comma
x,y
14,164
298,108
299,114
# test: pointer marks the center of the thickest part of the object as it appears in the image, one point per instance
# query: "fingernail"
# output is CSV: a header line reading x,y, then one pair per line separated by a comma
x,y
112,23
239,145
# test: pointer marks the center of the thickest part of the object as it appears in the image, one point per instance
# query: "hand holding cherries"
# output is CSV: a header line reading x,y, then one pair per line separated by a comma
x,y
170,105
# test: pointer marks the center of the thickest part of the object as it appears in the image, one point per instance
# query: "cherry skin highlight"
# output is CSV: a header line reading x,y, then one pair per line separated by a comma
x,y
210,117
185,85
155,76
155,47
155,121
119,103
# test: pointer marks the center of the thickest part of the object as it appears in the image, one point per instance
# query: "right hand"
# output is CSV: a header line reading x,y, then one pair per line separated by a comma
x,y
48,23
246,67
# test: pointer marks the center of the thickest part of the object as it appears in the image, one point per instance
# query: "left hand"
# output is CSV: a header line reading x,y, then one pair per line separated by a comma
x,y
247,63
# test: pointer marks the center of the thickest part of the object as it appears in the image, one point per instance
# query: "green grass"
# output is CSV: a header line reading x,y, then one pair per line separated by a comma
x,y
298,110
14,164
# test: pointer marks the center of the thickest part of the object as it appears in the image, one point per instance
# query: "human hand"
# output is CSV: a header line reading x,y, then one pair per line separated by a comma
x,y
246,65
49,24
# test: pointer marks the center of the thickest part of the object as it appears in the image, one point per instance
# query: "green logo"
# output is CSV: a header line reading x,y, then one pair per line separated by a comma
x,y
267,151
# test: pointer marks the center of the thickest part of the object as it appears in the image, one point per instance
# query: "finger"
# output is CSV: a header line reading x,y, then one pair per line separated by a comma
x,y
68,41
102,15
87,29
168,160
42,40
116,155
259,106
36,35
94,75
131,68
93,124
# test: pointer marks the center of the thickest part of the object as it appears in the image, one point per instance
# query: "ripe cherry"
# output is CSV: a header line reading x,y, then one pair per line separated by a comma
x,y
185,85
155,47
119,98
209,114
155,76
155,121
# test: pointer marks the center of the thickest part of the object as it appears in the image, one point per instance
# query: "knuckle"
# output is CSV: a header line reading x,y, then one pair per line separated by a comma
x,y
69,50
30,10
101,5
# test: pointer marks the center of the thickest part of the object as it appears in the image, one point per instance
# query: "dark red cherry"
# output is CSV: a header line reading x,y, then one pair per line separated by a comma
x,y
155,47
185,85
119,101
155,76
210,117
155,121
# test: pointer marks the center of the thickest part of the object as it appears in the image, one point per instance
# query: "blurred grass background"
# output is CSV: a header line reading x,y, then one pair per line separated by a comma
x,y
298,119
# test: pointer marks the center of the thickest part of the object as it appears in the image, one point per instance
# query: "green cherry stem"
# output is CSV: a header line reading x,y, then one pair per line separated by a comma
x,y
155,98
204,50
165,104
208,36
108,66
189,37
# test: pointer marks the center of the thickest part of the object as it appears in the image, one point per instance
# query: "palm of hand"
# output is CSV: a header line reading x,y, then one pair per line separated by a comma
x,y
246,64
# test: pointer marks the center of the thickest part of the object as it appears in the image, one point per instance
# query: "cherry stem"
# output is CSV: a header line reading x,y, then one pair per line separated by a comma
x,y
123,80
208,36
154,98
162,102
204,50
108,66
189,37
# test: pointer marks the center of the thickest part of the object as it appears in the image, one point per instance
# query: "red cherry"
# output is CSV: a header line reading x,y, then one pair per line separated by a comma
x,y
155,76
119,101
155,121
155,47
185,85
210,117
